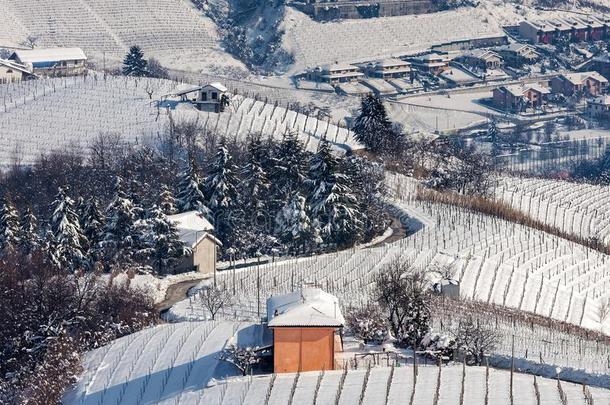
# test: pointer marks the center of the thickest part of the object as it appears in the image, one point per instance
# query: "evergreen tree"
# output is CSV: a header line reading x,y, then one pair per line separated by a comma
x,y
372,127
134,63
492,134
29,239
167,202
68,240
255,183
332,205
294,228
288,167
9,225
163,244
121,241
220,189
92,223
190,197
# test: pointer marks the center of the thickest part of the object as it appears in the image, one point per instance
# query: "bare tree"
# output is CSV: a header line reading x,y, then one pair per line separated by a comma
x,y
107,149
214,298
476,340
603,310
30,41
243,358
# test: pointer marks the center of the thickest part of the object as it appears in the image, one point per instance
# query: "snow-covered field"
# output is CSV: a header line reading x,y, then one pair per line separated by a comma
x,y
52,114
170,30
397,385
578,208
168,363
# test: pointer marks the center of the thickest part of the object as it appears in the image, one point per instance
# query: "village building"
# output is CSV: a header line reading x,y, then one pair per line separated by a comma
x,y
482,59
575,29
433,63
212,97
601,64
306,327
335,73
584,83
196,233
11,72
326,10
599,107
52,62
516,54
388,69
517,98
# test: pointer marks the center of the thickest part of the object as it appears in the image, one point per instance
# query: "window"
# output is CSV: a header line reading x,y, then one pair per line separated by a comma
x,y
214,95
8,71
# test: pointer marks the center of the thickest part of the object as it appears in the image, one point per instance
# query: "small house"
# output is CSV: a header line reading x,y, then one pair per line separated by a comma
x,y
585,83
388,69
52,62
449,288
599,108
517,54
336,73
482,59
11,72
212,97
433,63
517,98
305,325
196,233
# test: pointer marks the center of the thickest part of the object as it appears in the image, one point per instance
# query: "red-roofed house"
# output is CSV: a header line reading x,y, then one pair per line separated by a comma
x,y
587,83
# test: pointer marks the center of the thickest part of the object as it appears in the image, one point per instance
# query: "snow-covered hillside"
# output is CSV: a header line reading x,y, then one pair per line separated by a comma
x,y
581,209
170,30
44,115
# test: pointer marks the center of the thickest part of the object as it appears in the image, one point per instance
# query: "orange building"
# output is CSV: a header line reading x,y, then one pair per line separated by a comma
x,y
305,325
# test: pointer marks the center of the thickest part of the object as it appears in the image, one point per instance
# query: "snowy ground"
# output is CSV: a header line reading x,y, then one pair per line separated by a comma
x,y
156,287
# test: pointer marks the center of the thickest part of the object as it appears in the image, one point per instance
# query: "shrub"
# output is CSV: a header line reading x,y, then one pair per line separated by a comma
x,y
367,323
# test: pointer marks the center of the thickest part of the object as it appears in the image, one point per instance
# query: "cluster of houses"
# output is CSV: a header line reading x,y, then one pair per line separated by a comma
x,y
326,10
24,64
520,97
576,28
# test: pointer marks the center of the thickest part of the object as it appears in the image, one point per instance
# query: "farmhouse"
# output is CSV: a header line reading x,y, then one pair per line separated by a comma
x,y
53,61
11,72
576,28
599,107
305,325
482,59
325,10
432,63
388,69
211,97
197,234
516,54
585,83
519,97
336,73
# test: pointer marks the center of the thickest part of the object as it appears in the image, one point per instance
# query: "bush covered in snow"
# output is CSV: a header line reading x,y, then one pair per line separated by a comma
x,y
439,345
367,323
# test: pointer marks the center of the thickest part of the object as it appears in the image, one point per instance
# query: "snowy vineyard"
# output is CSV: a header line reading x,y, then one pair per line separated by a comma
x,y
69,113
398,385
496,262
580,209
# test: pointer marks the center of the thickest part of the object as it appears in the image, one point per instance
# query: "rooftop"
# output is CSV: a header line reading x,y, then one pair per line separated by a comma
x,y
13,65
49,55
217,85
309,306
518,90
192,227
580,77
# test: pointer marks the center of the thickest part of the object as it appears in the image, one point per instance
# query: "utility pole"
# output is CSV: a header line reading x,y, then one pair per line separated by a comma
x,y
258,285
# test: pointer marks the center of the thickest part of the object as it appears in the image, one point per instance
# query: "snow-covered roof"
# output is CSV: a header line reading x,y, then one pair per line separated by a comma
x,y
183,89
12,65
49,55
306,307
192,227
579,78
483,54
216,85
517,47
333,67
390,62
519,90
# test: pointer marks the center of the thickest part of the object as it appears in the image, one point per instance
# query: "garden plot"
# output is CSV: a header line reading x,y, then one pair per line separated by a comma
x,y
169,363
170,30
578,208
395,385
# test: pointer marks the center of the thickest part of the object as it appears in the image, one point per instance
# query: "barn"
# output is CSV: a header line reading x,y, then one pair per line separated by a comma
x,y
52,62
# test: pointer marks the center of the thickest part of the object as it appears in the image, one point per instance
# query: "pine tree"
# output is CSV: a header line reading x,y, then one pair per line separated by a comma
x,y
190,197
134,63
29,240
220,189
9,225
121,241
163,244
68,240
92,223
294,228
372,127
332,205
255,183
167,202
288,167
